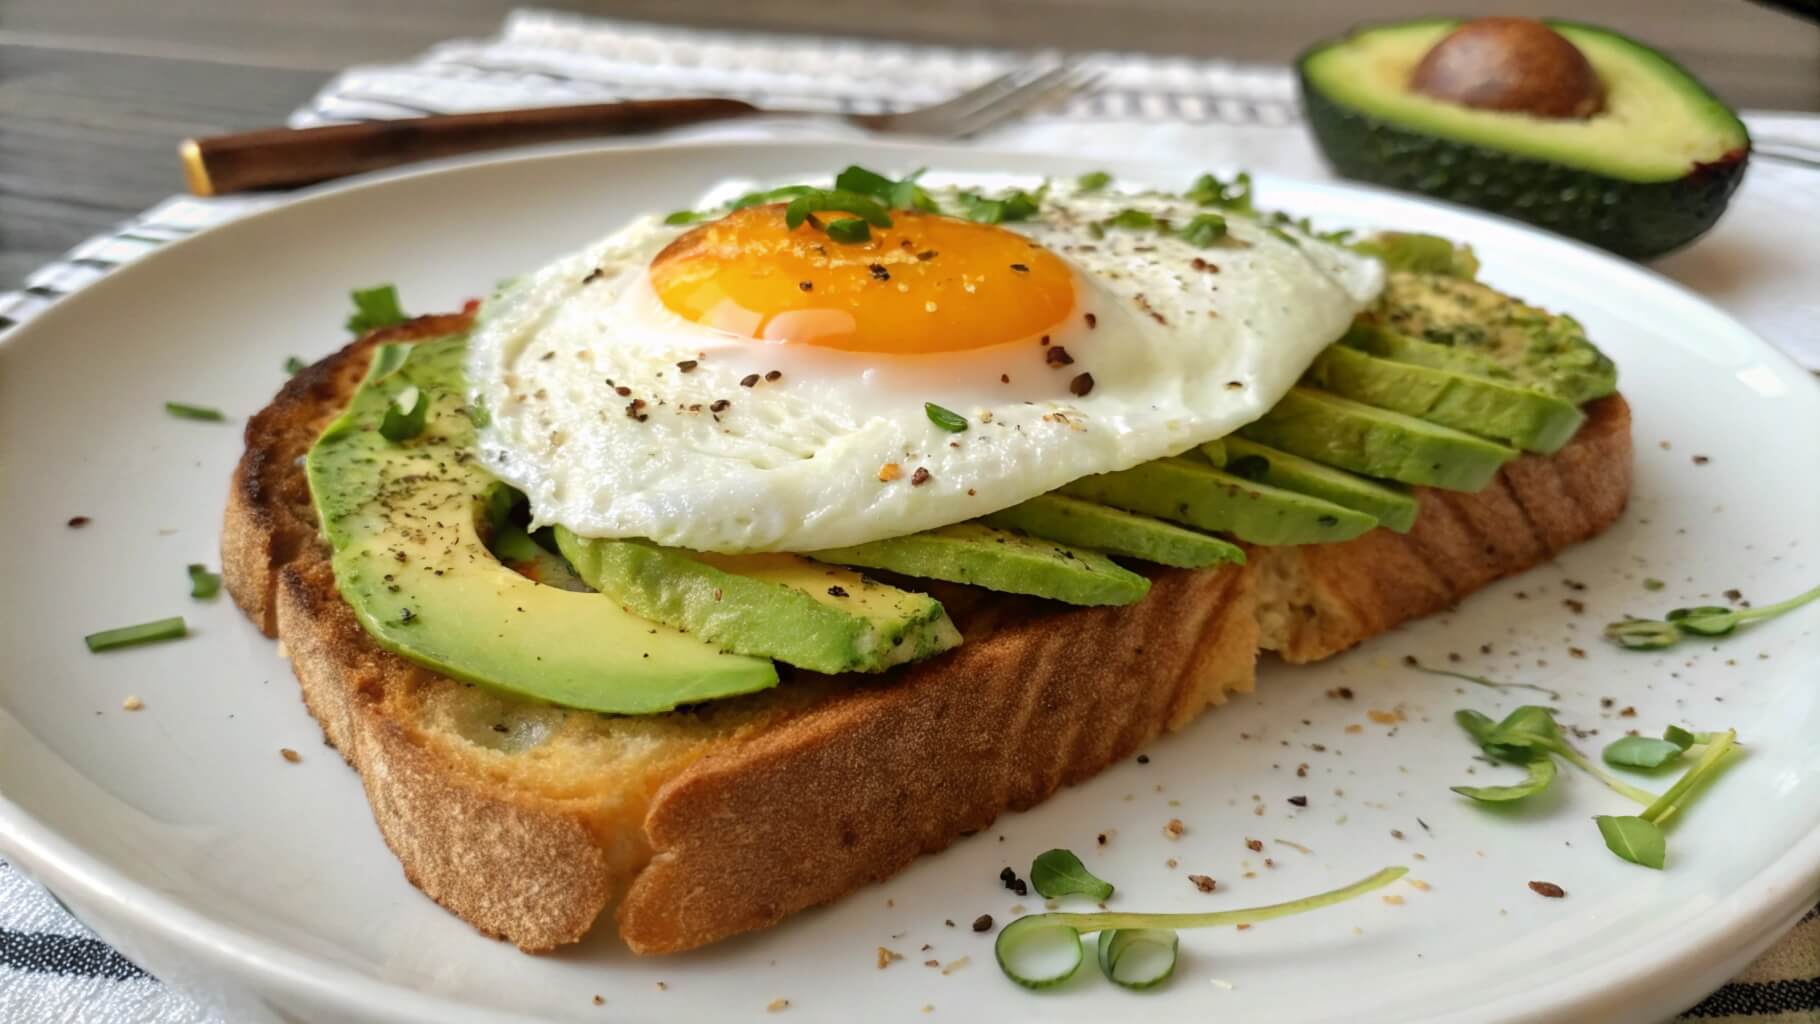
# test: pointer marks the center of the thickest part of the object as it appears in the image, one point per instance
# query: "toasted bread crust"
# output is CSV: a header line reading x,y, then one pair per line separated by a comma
x,y
817,797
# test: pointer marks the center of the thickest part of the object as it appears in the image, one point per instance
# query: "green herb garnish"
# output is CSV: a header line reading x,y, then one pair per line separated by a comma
x,y
1651,583
1093,181
1644,751
203,583
1541,769
1042,950
406,416
1059,873
849,230
1013,206
387,359
835,201
1529,731
898,195
770,195
1129,219
131,636
374,308
294,366
1204,230
184,411
1705,620
952,422
1208,190
1634,839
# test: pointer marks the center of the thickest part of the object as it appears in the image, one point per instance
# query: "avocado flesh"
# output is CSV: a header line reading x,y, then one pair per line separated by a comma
x,y
999,560
518,552
1377,442
1650,173
1421,254
403,519
1393,508
803,613
1528,419
1114,531
1547,352
1190,492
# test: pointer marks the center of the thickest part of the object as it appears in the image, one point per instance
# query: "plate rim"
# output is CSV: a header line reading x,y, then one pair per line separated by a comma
x,y
1753,914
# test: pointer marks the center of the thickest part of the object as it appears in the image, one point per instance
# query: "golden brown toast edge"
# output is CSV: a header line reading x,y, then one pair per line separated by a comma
x,y
851,789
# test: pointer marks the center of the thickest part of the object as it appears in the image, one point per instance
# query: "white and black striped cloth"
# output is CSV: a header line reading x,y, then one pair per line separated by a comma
x,y
54,969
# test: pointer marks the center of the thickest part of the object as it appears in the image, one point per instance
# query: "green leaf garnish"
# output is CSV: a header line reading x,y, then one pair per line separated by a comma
x,y
1641,752
1093,181
1529,732
130,636
898,195
835,201
1013,206
1130,220
1705,620
1138,958
203,583
1059,873
184,411
1042,950
1208,190
1634,839
406,416
374,308
849,230
1666,805
952,422
770,195
1541,769
294,366
387,359
1204,230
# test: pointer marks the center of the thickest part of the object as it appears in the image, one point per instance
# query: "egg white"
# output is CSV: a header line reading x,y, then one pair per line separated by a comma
x,y
1180,352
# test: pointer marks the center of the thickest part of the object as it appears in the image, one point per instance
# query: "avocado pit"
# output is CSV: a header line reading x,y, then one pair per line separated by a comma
x,y
1516,65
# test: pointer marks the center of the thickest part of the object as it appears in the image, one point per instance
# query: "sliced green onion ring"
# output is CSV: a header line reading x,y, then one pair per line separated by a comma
x,y
1138,958
1037,951
131,636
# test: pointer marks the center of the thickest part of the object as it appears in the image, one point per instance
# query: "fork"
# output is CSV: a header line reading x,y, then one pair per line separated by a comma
x,y
288,157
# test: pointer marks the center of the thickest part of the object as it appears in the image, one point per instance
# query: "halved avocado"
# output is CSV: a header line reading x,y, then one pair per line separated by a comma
x,y
1649,171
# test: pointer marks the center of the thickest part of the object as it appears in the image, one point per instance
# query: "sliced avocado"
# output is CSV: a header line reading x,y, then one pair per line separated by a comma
x,y
1389,504
1188,491
999,560
803,613
1422,254
1651,170
524,556
1377,442
1545,351
1085,524
404,521
1528,419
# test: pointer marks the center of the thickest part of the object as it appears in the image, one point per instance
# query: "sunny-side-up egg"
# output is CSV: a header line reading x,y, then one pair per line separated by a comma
x,y
739,385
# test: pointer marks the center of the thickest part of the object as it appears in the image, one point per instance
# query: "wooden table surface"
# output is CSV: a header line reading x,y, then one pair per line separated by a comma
x,y
95,94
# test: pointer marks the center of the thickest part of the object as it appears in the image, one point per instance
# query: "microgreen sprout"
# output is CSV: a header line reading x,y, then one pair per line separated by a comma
x,y
1704,620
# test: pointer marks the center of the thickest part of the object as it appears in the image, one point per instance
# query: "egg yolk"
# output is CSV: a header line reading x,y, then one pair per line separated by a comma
x,y
925,284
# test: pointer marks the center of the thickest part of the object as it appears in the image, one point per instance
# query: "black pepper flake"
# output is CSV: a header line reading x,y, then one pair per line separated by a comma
x,y
807,286
1299,801
1081,384
1044,340
1020,887
1143,759
1004,378
982,923
926,255
920,477
1058,356
749,380
720,405
837,591
1575,606
1007,876
77,522
622,391
1701,460
878,271
1234,385
1254,845
774,374
1092,321
635,409
1020,268
1548,889
593,276
687,365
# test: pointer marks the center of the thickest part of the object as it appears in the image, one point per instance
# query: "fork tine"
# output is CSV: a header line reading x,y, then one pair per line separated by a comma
x,y
1054,85
985,92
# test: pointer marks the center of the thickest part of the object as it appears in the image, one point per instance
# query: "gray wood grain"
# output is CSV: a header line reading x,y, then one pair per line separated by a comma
x,y
95,94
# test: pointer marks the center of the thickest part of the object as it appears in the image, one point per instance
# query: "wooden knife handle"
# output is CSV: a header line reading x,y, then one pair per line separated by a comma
x,y
287,157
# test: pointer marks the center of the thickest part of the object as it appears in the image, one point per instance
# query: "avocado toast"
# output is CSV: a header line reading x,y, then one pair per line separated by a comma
x,y
702,818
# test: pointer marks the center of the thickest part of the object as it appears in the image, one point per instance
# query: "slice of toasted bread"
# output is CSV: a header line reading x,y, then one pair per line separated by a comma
x,y
527,821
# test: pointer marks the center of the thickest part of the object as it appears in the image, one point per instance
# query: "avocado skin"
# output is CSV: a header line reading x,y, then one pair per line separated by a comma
x,y
1636,220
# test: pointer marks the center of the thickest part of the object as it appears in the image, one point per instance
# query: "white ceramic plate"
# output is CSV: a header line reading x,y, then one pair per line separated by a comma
x,y
182,836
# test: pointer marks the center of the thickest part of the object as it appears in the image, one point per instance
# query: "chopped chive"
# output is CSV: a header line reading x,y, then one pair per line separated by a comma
x,y
835,201
130,636
406,416
374,308
952,422
1093,181
294,366
1204,230
184,411
849,230
203,583
1131,220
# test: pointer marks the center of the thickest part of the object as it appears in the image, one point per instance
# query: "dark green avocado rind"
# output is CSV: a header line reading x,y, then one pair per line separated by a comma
x,y
1636,219
406,523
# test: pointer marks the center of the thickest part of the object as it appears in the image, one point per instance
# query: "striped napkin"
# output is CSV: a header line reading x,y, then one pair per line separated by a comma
x,y
1207,113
